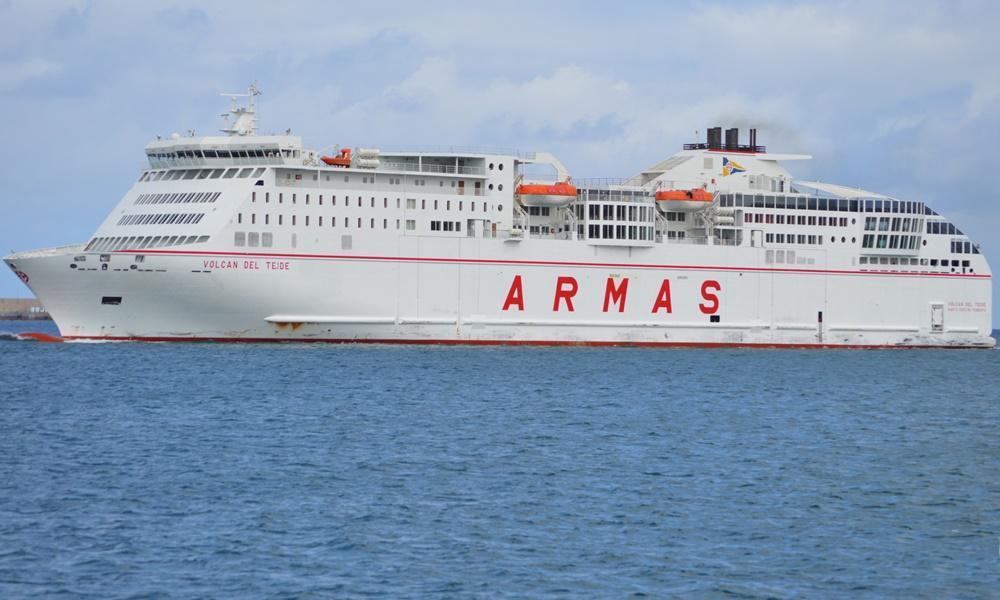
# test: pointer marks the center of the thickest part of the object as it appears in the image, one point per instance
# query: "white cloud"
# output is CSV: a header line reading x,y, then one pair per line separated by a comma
x,y
15,74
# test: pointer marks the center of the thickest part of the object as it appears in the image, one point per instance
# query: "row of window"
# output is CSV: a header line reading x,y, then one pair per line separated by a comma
x,y
306,221
782,219
240,153
675,216
446,226
177,174
794,238
109,244
253,239
617,212
963,247
893,224
411,203
913,262
620,232
589,195
190,198
786,257
799,202
891,242
940,228
162,219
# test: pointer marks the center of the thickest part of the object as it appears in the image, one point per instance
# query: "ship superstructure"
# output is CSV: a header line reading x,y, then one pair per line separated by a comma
x,y
248,237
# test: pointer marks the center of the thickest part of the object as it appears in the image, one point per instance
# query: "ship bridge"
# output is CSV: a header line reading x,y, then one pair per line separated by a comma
x,y
240,146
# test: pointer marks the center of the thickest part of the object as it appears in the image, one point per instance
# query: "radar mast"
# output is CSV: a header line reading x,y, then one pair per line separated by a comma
x,y
243,118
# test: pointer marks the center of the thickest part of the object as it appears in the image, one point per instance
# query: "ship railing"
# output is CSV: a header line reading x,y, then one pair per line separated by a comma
x,y
608,183
613,195
699,241
558,235
309,182
52,251
431,168
679,184
455,150
166,163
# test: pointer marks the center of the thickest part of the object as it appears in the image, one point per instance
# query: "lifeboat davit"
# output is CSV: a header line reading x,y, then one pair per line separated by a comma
x,y
341,160
546,194
685,200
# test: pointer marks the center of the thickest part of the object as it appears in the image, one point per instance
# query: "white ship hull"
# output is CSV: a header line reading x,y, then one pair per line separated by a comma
x,y
255,238
454,291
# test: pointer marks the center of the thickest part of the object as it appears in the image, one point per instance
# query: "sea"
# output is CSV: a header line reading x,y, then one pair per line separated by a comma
x,y
132,470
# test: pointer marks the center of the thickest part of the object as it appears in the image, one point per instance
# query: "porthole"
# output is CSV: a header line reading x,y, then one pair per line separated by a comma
x,y
833,239
491,186
853,240
500,187
499,207
925,242
500,166
853,221
843,240
491,166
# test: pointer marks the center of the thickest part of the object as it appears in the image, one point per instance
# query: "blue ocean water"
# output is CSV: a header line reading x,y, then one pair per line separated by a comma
x,y
319,470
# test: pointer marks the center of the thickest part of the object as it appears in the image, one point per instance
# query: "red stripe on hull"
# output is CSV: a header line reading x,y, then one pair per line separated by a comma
x,y
546,263
776,345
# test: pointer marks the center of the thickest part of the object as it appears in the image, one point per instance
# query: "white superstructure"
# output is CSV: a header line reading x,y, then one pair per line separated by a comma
x,y
247,237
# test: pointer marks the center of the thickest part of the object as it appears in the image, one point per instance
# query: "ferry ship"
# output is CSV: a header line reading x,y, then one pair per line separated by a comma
x,y
246,237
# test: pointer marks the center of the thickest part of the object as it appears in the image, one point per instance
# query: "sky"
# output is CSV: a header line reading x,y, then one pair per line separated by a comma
x,y
901,98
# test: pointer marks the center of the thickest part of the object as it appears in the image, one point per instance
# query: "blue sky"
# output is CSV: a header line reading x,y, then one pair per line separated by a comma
x,y
901,98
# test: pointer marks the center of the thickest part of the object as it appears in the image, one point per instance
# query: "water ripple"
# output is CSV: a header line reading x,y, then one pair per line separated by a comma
x,y
201,470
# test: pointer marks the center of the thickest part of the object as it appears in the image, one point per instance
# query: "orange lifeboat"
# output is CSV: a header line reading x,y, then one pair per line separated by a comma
x,y
546,194
341,160
692,199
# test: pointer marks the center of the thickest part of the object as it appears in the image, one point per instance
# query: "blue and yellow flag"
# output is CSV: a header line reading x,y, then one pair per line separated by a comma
x,y
731,167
